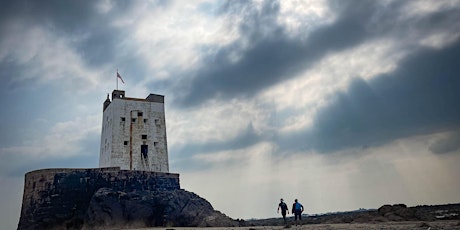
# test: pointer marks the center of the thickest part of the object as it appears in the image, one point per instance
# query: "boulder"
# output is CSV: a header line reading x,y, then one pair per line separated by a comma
x,y
425,215
400,212
385,209
109,209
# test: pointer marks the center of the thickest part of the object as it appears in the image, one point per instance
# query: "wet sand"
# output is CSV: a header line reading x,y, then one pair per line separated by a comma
x,y
454,224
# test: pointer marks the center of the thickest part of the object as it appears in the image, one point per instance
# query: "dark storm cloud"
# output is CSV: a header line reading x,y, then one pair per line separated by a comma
x,y
86,157
420,97
19,170
272,54
89,30
181,155
244,139
448,144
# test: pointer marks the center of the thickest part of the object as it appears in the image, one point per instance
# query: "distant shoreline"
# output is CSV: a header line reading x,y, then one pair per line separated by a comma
x,y
386,213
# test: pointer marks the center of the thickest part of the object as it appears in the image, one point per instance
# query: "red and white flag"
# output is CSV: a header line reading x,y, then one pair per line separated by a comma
x,y
118,75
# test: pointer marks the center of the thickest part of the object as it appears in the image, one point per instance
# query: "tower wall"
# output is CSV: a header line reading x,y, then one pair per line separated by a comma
x,y
133,134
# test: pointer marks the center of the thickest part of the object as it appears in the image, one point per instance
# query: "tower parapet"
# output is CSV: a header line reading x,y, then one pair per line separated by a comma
x,y
118,94
106,102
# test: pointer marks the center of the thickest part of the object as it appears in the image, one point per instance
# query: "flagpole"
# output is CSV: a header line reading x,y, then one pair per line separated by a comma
x,y
116,76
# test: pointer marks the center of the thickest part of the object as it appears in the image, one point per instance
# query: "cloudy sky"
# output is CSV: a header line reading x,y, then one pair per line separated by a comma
x,y
341,104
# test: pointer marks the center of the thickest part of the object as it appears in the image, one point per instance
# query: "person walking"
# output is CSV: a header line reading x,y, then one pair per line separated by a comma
x,y
297,209
284,208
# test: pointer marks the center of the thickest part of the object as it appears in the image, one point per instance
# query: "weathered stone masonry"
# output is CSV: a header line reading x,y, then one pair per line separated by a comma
x,y
66,193
134,133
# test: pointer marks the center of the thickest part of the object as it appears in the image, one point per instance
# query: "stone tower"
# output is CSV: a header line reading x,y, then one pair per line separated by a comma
x,y
133,133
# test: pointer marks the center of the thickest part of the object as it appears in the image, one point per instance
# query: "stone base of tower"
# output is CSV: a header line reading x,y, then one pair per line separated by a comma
x,y
106,198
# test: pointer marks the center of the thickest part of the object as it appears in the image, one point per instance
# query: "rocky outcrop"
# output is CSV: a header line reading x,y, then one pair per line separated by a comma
x,y
400,212
107,198
111,209
386,213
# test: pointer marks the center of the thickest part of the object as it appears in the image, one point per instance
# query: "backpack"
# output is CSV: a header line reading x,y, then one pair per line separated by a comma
x,y
298,206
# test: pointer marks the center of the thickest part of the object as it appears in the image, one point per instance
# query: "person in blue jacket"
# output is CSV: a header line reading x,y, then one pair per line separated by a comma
x,y
297,209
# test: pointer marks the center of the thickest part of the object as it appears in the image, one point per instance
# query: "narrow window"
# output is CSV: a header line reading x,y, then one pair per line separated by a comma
x,y
139,114
145,120
155,144
133,119
144,137
125,142
122,119
157,121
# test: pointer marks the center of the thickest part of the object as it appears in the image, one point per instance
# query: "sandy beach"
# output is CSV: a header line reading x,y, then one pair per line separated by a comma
x,y
453,224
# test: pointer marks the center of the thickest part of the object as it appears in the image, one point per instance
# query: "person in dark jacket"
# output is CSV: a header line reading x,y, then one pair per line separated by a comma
x,y
284,208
